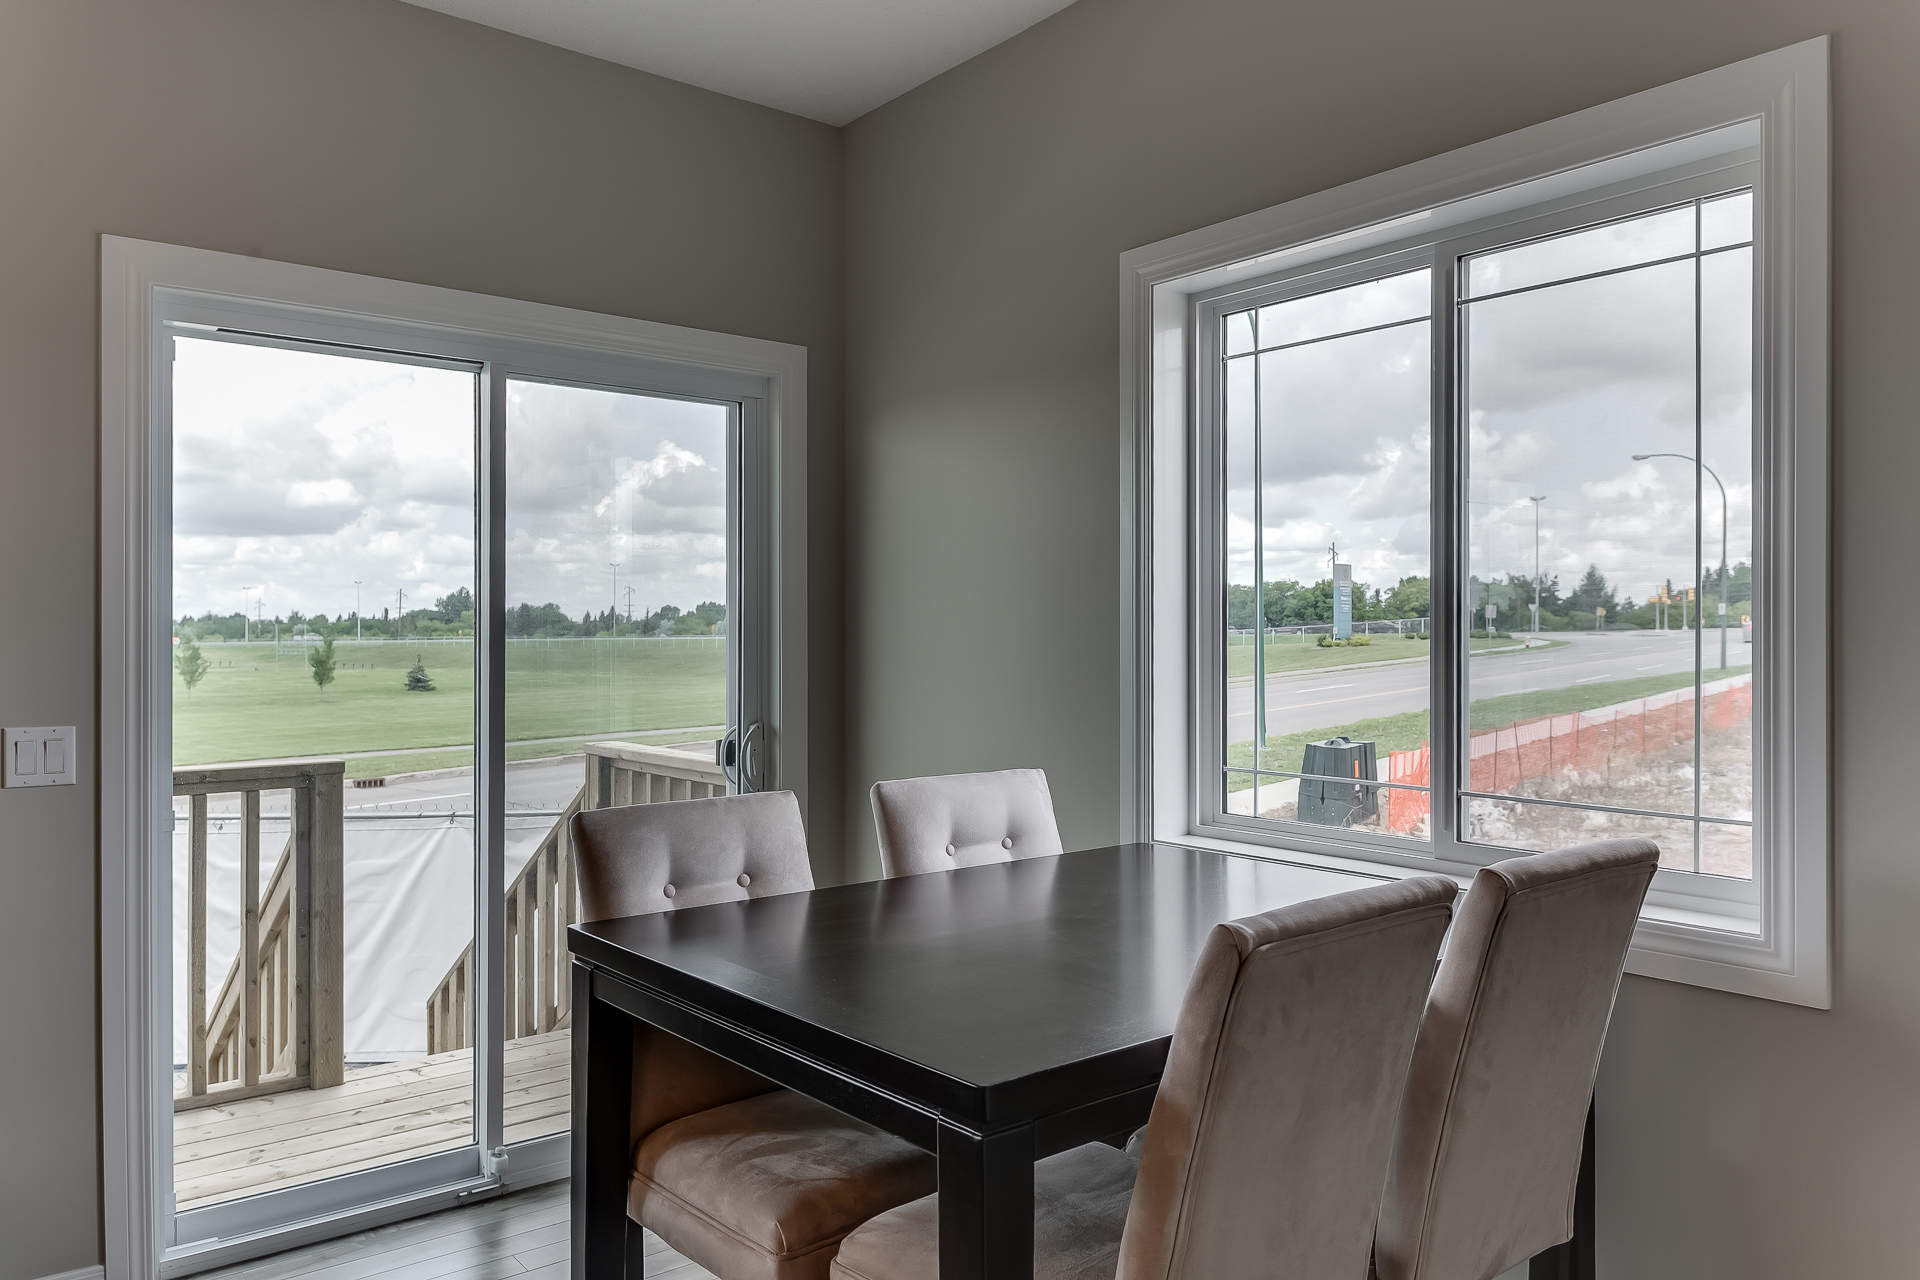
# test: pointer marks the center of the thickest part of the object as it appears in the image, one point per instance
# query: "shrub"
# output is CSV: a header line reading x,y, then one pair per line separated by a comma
x,y
1326,642
1360,640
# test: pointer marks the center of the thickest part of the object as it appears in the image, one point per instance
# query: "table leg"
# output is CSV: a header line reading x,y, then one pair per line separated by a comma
x,y
602,1097
986,1203
1573,1260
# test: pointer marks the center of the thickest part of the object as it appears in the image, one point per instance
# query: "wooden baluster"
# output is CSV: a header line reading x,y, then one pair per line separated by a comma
x,y
250,936
563,898
547,948
327,996
197,945
509,964
527,953
282,954
465,994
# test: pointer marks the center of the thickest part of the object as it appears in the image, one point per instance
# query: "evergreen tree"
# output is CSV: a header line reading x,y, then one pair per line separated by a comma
x,y
417,679
320,662
1592,593
191,664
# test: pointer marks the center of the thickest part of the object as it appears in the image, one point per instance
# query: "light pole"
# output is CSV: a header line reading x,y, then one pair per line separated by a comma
x,y
1536,560
246,631
1687,457
356,611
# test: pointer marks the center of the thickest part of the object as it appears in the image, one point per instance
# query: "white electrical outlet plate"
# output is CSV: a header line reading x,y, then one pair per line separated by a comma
x,y
40,757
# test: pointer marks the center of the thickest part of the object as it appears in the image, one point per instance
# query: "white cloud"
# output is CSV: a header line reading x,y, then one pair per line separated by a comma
x,y
296,473
1563,385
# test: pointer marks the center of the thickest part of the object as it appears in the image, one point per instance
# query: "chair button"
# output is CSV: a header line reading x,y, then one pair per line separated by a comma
x,y
745,879
668,891
1006,842
949,851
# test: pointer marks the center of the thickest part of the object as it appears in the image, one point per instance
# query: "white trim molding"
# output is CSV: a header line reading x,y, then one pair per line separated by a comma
x,y
140,283
1769,116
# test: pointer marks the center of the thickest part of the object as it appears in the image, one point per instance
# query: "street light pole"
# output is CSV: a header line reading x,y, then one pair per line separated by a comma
x,y
1536,560
1686,457
356,611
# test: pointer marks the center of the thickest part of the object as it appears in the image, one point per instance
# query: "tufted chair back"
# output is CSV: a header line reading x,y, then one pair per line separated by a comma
x,y
964,820
1491,1129
1274,1118
639,859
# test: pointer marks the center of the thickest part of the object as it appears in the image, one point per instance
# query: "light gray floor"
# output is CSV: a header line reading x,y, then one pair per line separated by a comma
x,y
523,1236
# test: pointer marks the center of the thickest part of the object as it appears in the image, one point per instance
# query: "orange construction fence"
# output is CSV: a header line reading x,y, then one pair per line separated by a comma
x,y
1499,760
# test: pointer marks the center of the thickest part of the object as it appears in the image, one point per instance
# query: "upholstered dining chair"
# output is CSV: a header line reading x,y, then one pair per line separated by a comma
x,y
1269,1136
750,1181
1490,1132
963,820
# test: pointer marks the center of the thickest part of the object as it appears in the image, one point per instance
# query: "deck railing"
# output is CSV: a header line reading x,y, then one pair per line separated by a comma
x,y
542,900
276,1022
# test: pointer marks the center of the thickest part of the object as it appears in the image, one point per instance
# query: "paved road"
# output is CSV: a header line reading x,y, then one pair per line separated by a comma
x,y
1312,700
531,784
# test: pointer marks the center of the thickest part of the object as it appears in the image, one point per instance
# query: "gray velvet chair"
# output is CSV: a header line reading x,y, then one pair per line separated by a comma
x,y
963,820
1490,1133
751,1181
1269,1136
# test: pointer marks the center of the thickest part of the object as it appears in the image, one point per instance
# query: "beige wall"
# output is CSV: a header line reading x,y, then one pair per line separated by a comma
x,y
368,136
986,210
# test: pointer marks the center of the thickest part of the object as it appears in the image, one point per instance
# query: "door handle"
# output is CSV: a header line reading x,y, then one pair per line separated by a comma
x,y
726,754
749,762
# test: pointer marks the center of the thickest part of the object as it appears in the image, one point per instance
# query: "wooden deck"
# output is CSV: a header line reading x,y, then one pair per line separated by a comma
x,y
393,1111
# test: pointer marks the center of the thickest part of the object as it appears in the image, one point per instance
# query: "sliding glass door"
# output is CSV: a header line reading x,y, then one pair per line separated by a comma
x,y
322,817
430,597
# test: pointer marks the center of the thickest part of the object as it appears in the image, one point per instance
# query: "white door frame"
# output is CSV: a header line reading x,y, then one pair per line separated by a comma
x,y
137,278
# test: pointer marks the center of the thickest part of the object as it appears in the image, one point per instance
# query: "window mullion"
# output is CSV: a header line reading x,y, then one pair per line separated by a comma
x,y
1446,673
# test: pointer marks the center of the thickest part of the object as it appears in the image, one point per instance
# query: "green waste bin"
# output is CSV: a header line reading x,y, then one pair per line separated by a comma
x,y
1338,803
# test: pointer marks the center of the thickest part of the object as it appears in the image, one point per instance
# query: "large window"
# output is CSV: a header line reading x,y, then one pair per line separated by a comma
x,y
1602,632
1478,509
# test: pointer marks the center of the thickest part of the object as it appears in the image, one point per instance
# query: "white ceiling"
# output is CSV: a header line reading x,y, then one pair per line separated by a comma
x,y
830,60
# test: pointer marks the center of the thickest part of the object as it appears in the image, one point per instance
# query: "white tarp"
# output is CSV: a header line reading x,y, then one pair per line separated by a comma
x,y
408,914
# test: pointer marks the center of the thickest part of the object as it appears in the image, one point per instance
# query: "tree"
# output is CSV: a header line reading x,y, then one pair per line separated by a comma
x,y
191,664
450,607
1592,593
418,681
320,661
1410,598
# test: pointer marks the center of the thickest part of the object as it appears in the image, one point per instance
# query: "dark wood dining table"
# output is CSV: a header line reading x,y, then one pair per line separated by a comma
x,y
993,1016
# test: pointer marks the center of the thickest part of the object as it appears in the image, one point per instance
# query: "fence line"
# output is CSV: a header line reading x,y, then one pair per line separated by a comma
x,y
1501,759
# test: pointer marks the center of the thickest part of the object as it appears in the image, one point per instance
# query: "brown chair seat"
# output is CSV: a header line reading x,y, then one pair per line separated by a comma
x,y
750,1181
1080,1200
767,1186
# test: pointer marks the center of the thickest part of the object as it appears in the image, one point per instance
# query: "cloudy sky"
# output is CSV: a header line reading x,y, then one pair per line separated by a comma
x,y
296,473
1565,383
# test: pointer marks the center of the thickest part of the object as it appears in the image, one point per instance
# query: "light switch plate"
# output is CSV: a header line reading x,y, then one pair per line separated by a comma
x,y
40,757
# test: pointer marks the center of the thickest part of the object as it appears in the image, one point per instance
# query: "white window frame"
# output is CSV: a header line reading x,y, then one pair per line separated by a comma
x,y
1764,120
145,287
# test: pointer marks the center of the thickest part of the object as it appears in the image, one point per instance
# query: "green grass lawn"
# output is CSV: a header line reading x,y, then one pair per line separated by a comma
x,y
247,709
1409,729
1290,655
